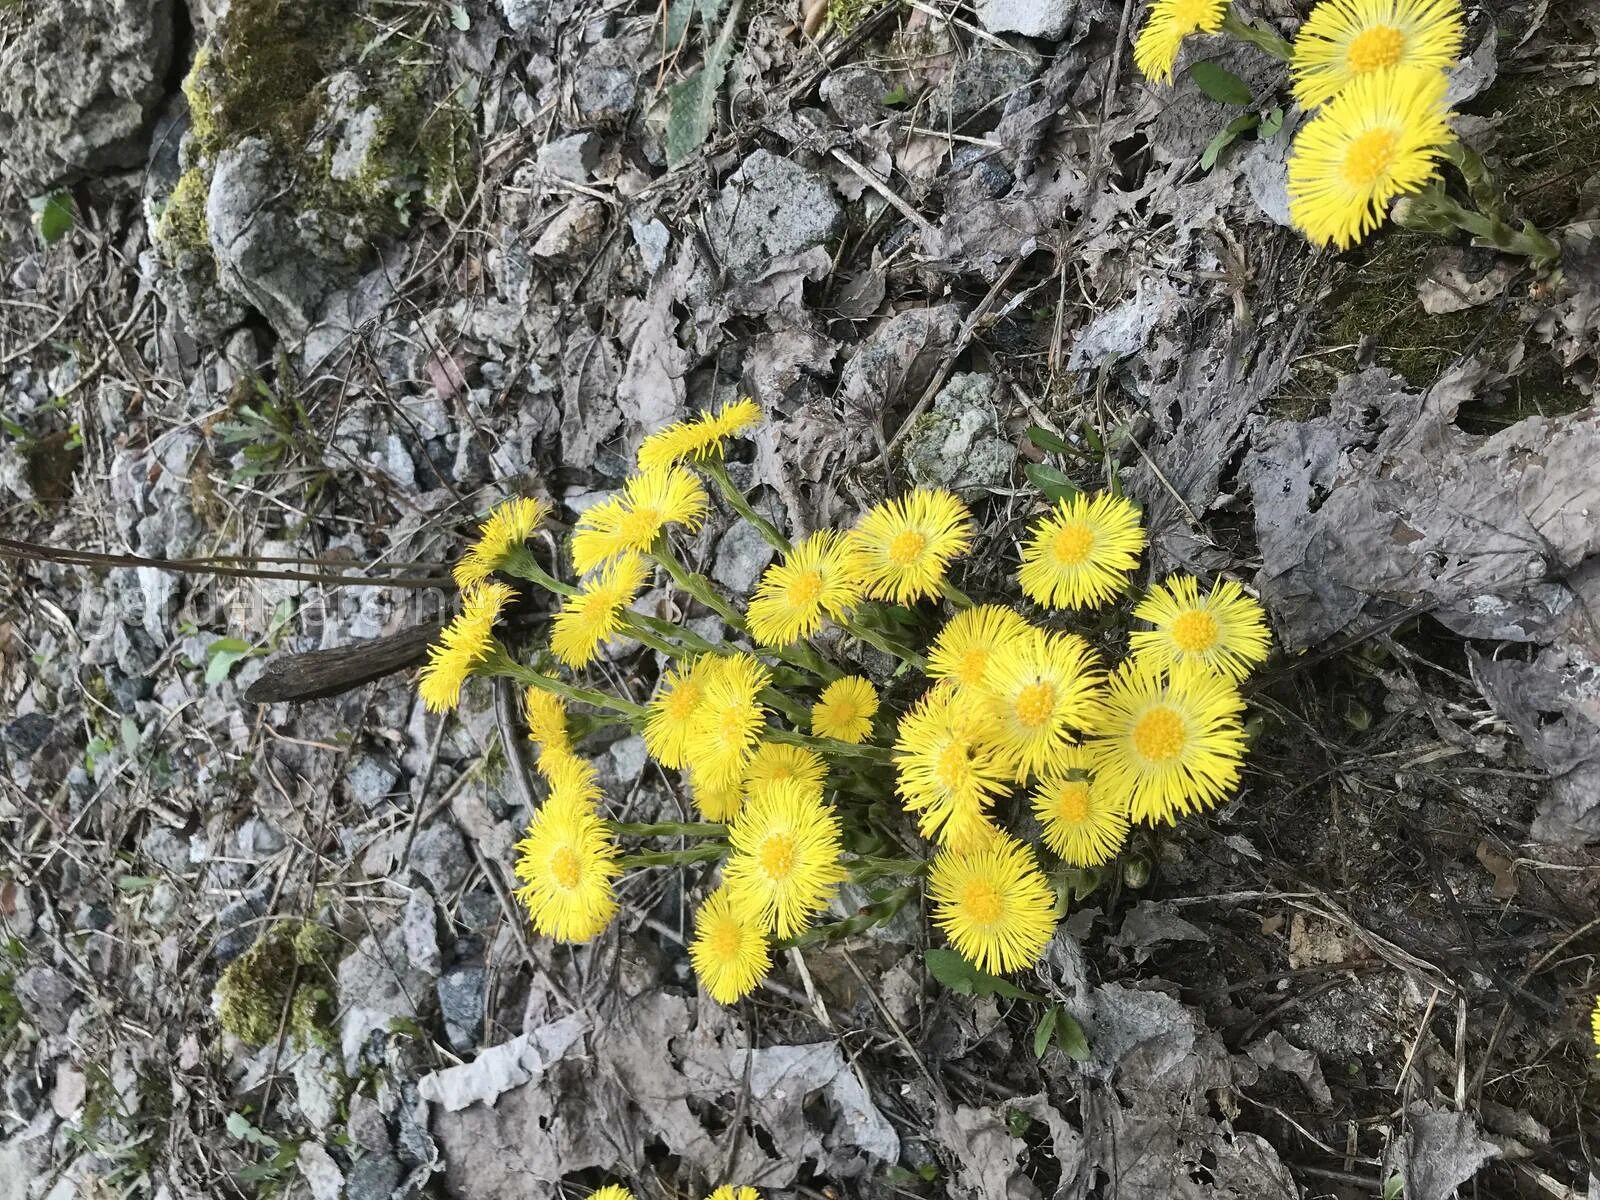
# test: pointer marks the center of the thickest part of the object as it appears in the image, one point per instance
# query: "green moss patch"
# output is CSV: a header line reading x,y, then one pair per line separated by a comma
x,y
284,972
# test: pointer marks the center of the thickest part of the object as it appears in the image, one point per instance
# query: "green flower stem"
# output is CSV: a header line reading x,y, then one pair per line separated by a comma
x,y
804,655
521,564
873,914
1262,39
718,473
892,648
640,632
792,709
696,585
669,829
1434,210
955,595
500,663
709,852
831,746
865,870
691,640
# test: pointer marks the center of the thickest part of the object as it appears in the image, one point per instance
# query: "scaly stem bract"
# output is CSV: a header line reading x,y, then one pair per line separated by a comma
x,y
955,595
1434,210
831,746
521,564
1262,39
873,914
709,852
695,584
718,473
499,662
668,829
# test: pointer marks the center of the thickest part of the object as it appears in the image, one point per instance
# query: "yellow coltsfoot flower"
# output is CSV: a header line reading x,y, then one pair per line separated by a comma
x,y
699,438
845,710
509,525
1224,631
718,802
567,862
1171,742
1344,40
668,728
1084,824
730,950
946,769
1594,1025
635,517
1081,555
966,645
588,620
728,722
906,544
820,578
784,866
776,761
612,1191
729,1192
1042,690
1169,22
463,646
1379,139
994,904
546,714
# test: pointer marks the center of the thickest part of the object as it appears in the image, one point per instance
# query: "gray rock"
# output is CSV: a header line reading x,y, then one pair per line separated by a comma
x,y
741,556
283,261
1031,18
523,15
319,1085
374,1177
440,857
652,239
29,731
771,207
606,84
572,232
239,925
367,1127
166,849
461,1004
353,125
79,86
958,443
45,995
378,983
419,927
854,95
573,157
371,778
980,83
321,1173
478,910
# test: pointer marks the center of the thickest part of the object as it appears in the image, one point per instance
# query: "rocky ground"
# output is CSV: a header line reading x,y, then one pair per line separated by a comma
x,y
302,288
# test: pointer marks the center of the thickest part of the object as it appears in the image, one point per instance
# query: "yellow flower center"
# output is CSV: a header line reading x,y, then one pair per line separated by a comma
x,y
973,666
1035,703
566,867
1195,631
1073,545
1159,735
1369,158
1375,49
777,856
1072,802
731,725
981,902
725,940
805,589
954,767
907,547
684,700
640,526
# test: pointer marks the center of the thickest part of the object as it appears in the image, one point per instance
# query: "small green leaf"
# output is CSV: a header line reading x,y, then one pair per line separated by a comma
x,y
1044,1030
1226,138
1394,1187
1017,1122
1271,122
1220,84
960,976
895,98
691,104
136,883
221,656
1051,482
459,18
53,215
239,1126
130,737
1045,440
1069,1036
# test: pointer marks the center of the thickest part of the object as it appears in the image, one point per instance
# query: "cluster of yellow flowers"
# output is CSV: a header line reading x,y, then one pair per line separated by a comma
x,y
615,1191
1010,707
1373,74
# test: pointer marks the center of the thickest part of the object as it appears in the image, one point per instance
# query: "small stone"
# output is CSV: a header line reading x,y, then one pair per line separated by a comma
x,y
572,231
523,15
606,84
461,1004
166,849
1031,18
440,857
420,927
652,239
321,1173
981,82
366,1125
854,95
371,779
45,995
478,910
771,207
573,157
239,923
374,1177
29,731
959,444
319,1085
741,556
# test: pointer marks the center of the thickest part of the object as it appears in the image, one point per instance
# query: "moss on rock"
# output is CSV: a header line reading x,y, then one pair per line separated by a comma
x,y
285,969
183,221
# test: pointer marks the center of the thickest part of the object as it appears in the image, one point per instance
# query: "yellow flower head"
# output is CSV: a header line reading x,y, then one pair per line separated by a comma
x,y
1594,1025
993,904
1082,554
845,710
1042,689
668,728
728,723
1169,22
946,769
508,526
462,646
547,721
719,802
730,951
612,1191
1083,823
1378,139
775,761
962,651
571,777
729,1192
906,544
784,865
1345,39
1171,743
821,577
1225,631
632,520
566,864
699,438
586,621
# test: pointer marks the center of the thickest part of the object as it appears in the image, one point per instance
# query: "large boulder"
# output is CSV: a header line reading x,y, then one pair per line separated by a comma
x,y
79,87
